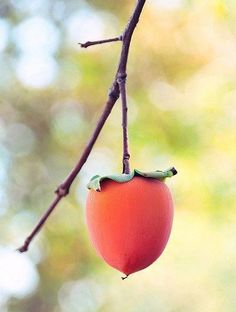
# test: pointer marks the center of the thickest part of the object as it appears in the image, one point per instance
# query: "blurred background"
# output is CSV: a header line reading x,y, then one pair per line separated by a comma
x,y
182,111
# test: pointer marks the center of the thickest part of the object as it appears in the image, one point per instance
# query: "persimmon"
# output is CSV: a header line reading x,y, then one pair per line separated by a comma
x,y
129,218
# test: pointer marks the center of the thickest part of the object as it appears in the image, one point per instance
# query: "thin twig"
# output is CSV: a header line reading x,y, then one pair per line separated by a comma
x,y
126,156
64,188
96,42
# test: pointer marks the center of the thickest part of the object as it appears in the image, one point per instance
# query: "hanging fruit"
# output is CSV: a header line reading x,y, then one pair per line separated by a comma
x,y
129,218
130,215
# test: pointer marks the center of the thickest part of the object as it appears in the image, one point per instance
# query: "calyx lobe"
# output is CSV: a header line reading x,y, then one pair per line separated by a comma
x,y
96,181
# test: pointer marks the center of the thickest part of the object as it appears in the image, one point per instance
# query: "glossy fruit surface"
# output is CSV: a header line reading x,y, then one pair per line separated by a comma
x,y
130,223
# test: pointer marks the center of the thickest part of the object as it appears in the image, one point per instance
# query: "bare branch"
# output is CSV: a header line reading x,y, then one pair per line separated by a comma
x,y
118,86
64,188
91,43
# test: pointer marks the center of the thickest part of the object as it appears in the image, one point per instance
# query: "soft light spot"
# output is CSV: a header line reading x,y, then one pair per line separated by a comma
x,y
36,71
18,276
84,25
36,35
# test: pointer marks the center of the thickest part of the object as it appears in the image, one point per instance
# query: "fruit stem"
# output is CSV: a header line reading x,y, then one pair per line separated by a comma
x,y
126,156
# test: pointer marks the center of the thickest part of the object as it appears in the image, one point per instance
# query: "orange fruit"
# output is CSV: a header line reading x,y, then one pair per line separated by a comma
x,y
130,222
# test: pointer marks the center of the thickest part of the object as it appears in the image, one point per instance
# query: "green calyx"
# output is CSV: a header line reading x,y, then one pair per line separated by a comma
x,y
95,182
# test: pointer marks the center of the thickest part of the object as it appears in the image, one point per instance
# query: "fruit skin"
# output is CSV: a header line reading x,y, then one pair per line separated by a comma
x,y
130,223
